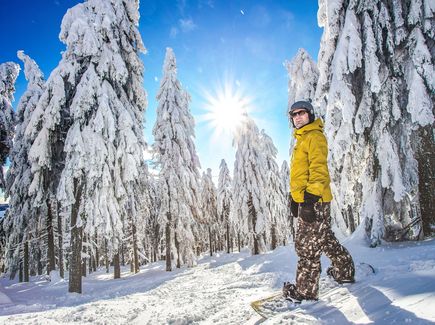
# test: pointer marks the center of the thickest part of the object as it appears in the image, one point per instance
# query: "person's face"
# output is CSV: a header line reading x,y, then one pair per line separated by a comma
x,y
300,118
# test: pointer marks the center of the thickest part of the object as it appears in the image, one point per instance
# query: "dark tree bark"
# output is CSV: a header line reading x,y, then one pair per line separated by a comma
x,y
75,269
60,243
168,243
135,259
116,267
177,246
84,249
122,254
106,256
26,261
20,272
97,253
210,240
239,242
228,238
253,217
274,242
91,256
426,174
51,260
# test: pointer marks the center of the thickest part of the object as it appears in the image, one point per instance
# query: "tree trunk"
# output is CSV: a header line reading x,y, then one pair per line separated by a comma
x,y
60,244
135,261
210,240
91,256
228,238
238,241
168,244
75,270
122,254
253,217
106,256
426,175
26,261
51,260
274,242
20,272
116,266
97,254
84,249
177,246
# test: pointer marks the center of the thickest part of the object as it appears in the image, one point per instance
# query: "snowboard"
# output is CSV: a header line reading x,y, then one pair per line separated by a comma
x,y
275,303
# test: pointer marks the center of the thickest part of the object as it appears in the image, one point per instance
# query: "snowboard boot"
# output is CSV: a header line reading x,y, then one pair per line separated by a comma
x,y
332,272
290,292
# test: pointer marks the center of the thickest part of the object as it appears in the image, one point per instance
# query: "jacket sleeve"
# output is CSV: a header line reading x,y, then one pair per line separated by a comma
x,y
318,174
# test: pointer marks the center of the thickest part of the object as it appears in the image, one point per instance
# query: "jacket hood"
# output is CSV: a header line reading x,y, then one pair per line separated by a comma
x,y
316,125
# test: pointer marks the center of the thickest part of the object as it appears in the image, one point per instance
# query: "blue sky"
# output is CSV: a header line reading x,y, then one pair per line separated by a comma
x,y
240,44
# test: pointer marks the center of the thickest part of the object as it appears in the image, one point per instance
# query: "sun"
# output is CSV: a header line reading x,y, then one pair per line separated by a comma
x,y
226,109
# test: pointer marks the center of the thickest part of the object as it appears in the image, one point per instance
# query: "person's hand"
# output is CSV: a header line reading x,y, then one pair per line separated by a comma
x,y
308,214
310,198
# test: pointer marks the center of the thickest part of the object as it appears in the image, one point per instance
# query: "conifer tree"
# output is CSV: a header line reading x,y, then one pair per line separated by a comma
x,y
22,219
249,207
178,166
376,90
224,201
8,75
209,210
95,97
275,197
285,179
303,75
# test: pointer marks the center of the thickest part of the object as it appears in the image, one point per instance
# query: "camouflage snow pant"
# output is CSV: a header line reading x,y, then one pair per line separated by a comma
x,y
313,238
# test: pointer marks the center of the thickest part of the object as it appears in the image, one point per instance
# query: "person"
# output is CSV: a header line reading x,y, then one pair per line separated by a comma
x,y
310,202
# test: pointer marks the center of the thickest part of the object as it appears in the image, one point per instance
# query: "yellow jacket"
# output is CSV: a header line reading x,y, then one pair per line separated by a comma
x,y
309,166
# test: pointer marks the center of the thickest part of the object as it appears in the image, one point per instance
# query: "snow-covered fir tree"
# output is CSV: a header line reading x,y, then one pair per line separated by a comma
x,y
275,197
97,89
249,206
303,75
209,210
376,89
224,202
8,75
22,221
178,165
285,183
152,229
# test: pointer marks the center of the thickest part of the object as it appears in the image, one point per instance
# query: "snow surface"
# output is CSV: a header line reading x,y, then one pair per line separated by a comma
x,y
220,288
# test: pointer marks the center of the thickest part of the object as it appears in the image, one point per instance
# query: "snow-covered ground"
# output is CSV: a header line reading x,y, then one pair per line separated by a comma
x,y
219,291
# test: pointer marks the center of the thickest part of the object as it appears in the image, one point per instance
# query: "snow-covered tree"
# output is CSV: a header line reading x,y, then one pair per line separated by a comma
x,y
209,210
285,183
249,206
97,89
224,201
303,75
22,218
275,197
152,229
376,90
178,162
8,75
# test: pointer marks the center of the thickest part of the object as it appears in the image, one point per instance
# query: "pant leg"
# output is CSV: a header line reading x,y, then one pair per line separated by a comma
x,y
308,246
344,269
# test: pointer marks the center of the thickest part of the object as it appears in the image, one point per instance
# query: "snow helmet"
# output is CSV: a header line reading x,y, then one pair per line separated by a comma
x,y
302,104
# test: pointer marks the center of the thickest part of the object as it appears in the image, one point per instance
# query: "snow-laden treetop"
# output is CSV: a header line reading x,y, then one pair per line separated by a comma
x,y
8,74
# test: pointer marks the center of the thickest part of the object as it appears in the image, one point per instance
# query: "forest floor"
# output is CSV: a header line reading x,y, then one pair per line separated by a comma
x,y
220,288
